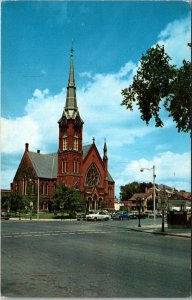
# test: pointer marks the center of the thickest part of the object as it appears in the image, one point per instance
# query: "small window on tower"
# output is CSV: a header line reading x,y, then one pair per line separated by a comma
x,y
65,141
75,142
64,166
76,166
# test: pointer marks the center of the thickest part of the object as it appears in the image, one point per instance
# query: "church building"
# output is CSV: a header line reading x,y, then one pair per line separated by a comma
x,y
75,165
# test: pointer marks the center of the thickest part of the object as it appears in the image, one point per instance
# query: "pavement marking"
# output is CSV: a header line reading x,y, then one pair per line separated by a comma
x,y
54,233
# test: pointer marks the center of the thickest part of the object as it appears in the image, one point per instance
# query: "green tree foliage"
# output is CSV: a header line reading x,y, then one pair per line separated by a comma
x,y
129,189
68,198
15,202
158,82
5,201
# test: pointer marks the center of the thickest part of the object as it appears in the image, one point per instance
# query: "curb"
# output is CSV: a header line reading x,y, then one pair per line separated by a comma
x,y
173,234
163,233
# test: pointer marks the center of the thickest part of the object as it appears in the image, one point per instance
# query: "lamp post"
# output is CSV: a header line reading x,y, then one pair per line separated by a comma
x,y
62,212
163,199
163,217
154,196
38,198
31,209
139,208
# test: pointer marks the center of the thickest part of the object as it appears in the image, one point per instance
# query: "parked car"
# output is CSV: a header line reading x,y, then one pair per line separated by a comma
x,y
120,215
81,217
133,216
5,215
97,216
151,216
142,215
157,215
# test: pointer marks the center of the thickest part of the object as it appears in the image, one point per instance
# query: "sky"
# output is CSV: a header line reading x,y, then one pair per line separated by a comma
x,y
109,39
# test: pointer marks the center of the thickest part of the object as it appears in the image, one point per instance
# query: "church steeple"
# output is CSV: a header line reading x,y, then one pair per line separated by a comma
x,y
71,101
70,155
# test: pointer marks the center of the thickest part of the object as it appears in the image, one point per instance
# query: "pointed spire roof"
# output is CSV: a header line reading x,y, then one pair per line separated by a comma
x,y
71,110
105,150
71,100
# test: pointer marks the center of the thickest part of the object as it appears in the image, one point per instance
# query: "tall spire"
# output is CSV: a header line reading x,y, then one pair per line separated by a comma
x,y
105,150
71,101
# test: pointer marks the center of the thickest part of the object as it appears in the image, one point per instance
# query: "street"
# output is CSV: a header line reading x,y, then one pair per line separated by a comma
x,y
92,259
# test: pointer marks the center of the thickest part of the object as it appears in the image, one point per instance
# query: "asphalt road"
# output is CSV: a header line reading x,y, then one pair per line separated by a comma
x,y
99,259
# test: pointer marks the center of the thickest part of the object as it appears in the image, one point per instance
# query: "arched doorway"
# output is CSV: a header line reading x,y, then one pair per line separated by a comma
x,y
95,203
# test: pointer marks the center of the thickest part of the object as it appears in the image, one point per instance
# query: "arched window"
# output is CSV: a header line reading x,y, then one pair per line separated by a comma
x,y
47,188
33,187
65,141
64,166
110,191
93,177
75,142
43,188
17,186
24,186
76,166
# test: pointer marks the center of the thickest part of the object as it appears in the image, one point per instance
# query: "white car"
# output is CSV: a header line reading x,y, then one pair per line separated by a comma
x,y
97,216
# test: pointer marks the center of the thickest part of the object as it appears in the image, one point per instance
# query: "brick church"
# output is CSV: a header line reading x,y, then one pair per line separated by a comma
x,y
78,166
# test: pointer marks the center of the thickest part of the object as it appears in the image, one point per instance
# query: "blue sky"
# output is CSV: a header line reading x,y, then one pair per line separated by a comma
x,y
109,39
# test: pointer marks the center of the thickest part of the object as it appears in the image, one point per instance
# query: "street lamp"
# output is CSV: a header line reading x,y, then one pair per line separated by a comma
x,y
139,208
154,196
31,209
38,198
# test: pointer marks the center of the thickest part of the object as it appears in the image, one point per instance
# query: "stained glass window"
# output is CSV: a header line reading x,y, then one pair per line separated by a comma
x,y
93,177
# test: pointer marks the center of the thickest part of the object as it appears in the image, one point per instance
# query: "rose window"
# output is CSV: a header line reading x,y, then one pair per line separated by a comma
x,y
93,177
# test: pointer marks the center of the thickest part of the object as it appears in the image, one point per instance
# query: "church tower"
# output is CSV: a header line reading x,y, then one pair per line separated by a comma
x,y
70,154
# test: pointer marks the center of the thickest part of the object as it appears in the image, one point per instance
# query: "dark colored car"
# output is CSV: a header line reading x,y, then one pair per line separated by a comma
x,y
5,215
81,217
142,216
133,216
159,215
120,215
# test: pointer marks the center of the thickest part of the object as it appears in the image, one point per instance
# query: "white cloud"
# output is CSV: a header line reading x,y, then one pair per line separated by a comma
x,y
175,37
99,103
172,169
38,127
16,132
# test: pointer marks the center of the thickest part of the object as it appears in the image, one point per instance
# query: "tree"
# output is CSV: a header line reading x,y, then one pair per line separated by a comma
x,y
158,82
69,198
129,189
5,201
17,202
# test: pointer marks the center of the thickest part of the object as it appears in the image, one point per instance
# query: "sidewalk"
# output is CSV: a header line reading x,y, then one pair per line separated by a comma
x,y
156,229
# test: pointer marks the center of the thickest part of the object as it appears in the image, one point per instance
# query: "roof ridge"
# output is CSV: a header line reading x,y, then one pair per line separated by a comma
x,y
55,153
33,162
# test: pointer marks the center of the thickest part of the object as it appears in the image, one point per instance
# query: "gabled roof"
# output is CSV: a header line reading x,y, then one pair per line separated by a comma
x,y
45,165
110,179
140,195
86,149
